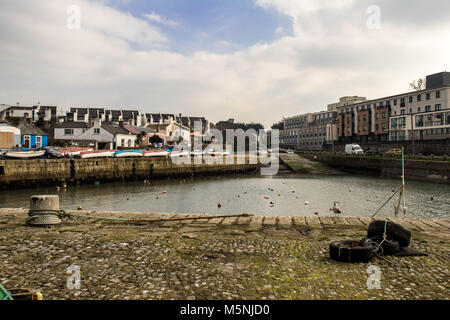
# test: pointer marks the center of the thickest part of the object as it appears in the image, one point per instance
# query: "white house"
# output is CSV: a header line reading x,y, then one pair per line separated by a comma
x,y
106,136
69,130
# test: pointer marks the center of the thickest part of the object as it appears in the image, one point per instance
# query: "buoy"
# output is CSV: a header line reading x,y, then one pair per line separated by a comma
x,y
157,197
266,197
279,194
219,205
293,191
306,203
316,213
79,208
164,192
432,198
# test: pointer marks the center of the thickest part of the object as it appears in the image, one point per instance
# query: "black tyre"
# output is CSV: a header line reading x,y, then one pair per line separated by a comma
x,y
394,231
351,251
389,247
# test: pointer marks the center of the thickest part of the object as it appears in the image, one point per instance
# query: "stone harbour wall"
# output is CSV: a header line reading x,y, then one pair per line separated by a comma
x,y
29,173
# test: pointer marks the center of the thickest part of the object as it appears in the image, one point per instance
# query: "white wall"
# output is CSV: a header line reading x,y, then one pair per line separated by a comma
x,y
59,133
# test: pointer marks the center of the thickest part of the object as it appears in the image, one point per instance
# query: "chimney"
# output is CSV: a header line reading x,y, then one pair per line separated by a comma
x,y
97,122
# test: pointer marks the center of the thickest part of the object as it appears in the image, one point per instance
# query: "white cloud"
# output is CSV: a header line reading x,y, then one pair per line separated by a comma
x,y
154,17
120,60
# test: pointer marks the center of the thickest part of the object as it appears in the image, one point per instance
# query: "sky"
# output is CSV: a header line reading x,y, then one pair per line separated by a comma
x,y
251,60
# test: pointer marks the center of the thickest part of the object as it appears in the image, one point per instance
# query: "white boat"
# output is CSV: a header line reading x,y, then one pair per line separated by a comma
x,y
128,153
160,153
183,153
73,151
97,154
24,154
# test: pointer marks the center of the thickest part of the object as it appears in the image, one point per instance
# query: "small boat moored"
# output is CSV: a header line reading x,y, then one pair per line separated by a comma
x,y
128,153
155,153
17,154
97,154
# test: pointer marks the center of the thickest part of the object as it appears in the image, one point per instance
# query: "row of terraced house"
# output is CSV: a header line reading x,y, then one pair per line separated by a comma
x,y
413,116
99,127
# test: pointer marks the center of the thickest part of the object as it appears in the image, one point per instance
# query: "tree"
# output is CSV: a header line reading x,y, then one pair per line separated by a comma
x,y
155,139
139,138
418,84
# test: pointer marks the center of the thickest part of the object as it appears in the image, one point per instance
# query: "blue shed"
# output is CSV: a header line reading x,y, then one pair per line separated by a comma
x,y
32,136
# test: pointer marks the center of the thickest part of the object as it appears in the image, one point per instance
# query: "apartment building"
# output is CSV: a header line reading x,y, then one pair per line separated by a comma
x,y
309,131
418,115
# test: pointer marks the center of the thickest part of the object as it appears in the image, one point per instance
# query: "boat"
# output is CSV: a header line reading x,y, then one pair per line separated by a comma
x,y
73,151
17,154
97,154
155,153
128,153
181,153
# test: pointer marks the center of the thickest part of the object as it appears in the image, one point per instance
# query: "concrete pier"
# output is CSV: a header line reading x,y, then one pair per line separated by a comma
x,y
256,257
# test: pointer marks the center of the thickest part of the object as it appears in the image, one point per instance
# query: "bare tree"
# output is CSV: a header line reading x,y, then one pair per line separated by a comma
x,y
418,84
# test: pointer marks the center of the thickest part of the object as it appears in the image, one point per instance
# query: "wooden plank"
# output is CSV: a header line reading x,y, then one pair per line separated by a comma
x,y
443,222
406,224
365,220
339,221
313,222
299,221
256,221
284,221
270,221
421,225
354,221
433,224
327,221
243,220
215,220
228,221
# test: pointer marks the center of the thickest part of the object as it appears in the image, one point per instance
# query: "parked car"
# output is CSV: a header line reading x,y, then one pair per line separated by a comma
x,y
373,151
290,151
353,149
393,152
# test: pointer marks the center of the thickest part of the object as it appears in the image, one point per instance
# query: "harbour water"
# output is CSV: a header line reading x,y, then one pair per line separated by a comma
x,y
358,196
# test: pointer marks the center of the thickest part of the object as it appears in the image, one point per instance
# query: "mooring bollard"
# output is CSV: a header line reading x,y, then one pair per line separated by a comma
x,y
44,211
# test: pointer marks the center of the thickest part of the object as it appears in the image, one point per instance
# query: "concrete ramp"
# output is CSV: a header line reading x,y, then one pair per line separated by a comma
x,y
299,164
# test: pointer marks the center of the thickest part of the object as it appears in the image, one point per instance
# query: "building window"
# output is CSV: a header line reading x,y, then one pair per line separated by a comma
x,y
447,117
439,119
395,102
394,123
418,109
377,115
402,102
419,121
428,96
122,142
428,120
438,94
419,97
68,132
427,108
402,112
437,107
383,115
410,99
96,130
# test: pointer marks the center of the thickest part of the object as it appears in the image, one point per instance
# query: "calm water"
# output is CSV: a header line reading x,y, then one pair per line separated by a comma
x,y
245,194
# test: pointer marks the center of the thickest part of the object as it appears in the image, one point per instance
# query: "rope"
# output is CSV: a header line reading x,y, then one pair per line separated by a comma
x,y
386,202
378,249
43,218
7,295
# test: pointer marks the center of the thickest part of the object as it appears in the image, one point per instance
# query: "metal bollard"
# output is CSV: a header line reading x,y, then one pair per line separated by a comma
x,y
44,211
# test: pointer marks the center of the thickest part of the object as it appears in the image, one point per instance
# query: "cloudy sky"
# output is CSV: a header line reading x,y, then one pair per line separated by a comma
x,y
252,60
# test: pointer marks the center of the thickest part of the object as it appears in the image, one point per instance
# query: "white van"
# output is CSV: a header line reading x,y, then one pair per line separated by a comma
x,y
353,149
